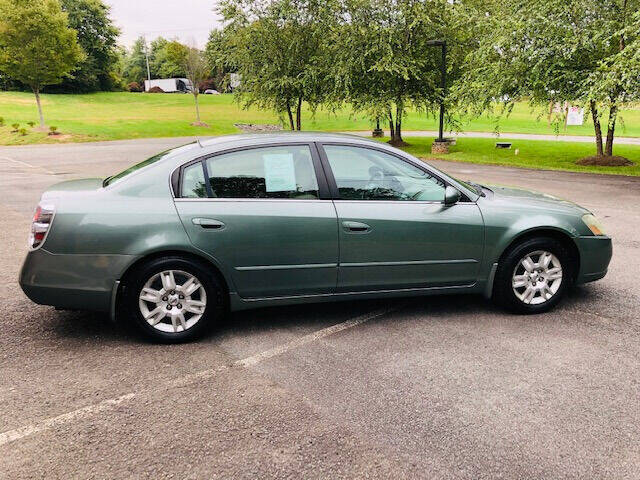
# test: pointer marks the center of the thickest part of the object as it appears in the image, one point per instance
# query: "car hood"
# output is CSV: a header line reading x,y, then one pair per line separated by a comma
x,y
534,199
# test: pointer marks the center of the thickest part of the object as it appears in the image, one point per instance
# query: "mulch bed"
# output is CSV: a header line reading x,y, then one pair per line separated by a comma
x,y
605,161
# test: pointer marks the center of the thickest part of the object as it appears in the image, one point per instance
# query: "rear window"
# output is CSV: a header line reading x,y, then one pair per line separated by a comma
x,y
144,163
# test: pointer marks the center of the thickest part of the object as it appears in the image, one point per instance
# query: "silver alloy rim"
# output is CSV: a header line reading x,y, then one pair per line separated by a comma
x,y
537,277
172,301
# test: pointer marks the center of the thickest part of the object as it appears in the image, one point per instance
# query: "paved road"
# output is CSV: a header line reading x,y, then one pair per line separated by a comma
x,y
509,136
447,387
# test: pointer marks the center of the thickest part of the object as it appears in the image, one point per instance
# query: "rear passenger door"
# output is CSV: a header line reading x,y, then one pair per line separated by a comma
x,y
265,214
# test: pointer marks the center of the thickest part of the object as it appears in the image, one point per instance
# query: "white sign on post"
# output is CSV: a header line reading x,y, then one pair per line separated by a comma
x,y
279,172
575,116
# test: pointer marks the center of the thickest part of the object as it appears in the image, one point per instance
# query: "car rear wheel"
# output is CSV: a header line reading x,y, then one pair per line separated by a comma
x,y
534,275
174,299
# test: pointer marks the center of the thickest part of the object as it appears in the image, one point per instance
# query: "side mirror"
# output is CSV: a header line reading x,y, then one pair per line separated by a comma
x,y
451,196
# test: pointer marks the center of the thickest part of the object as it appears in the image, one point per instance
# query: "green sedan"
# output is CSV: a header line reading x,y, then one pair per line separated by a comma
x,y
173,243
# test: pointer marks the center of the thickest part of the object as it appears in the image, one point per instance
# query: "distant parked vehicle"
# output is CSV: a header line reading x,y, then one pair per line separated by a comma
x,y
169,85
211,91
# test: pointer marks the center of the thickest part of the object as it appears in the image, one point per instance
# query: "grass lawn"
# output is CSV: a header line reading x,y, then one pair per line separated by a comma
x,y
531,154
120,115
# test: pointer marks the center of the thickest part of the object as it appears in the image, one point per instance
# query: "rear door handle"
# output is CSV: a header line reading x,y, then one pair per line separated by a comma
x,y
208,223
356,227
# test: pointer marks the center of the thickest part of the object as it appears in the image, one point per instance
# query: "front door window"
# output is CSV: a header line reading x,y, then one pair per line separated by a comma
x,y
366,174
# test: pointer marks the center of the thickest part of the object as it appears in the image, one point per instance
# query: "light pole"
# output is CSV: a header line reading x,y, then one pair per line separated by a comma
x,y
146,54
443,83
378,131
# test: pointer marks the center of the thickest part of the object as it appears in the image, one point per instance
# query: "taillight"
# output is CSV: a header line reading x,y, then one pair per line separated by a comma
x,y
42,219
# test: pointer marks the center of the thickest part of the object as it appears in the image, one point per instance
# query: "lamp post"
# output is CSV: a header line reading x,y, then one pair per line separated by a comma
x,y
441,145
377,132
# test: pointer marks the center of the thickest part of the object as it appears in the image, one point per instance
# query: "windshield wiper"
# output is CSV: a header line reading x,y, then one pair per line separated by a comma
x,y
105,182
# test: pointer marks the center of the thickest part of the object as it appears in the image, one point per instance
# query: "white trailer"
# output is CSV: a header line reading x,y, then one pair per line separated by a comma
x,y
169,85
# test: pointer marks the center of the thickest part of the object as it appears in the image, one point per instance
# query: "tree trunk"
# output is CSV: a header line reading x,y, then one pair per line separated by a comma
x,y
596,127
611,129
396,134
195,97
299,114
290,114
392,130
36,92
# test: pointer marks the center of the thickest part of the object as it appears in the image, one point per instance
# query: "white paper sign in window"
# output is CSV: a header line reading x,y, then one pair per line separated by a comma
x,y
279,172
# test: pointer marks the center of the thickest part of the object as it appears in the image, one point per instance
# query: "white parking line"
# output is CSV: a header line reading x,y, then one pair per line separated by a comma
x,y
105,405
20,162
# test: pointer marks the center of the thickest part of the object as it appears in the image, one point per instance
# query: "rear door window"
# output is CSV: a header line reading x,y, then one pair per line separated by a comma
x,y
267,172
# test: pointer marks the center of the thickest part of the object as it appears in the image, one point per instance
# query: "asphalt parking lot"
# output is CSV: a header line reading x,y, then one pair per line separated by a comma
x,y
439,387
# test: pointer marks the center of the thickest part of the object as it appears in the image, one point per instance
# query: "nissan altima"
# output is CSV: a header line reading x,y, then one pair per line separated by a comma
x,y
173,243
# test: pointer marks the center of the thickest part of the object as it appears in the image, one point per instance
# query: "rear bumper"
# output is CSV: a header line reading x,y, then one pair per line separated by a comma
x,y
595,255
82,282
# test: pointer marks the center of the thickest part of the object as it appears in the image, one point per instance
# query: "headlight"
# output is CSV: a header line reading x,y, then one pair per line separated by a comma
x,y
594,224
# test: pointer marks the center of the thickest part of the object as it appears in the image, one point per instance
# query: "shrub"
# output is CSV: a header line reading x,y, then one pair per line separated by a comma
x,y
208,84
1,121
53,130
31,124
15,127
22,131
134,87
155,90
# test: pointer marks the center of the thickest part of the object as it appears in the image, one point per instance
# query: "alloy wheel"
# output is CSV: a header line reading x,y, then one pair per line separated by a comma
x,y
172,301
537,277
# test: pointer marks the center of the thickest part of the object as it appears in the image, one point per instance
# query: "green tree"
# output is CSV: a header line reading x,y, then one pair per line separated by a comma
x,y
279,49
37,47
195,66
384,61
162,60
98,38
548,51
162,64
135,63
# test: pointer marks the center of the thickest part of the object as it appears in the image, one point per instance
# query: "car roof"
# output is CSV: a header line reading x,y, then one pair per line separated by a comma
x,y
285,136
224,142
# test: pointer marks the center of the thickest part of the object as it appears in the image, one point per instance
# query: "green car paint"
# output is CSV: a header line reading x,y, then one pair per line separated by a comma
x,y
284,251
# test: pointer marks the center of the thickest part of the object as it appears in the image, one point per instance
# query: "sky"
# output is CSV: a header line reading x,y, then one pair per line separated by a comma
x,y
187,20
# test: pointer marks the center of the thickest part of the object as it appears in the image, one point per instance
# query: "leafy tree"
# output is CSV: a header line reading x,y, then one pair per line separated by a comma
x,y
162,62
98,38
550,51
279,49
135,63
194,64
37,47
384,60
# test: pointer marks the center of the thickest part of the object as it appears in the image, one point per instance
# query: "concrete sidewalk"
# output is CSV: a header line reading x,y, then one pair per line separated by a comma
x,y
509,136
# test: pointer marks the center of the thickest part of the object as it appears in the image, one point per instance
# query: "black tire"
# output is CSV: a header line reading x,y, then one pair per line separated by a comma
x,y
215,298
503,291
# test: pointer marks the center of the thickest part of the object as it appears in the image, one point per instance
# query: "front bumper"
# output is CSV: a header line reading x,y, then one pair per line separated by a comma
x,y
595,255
79,282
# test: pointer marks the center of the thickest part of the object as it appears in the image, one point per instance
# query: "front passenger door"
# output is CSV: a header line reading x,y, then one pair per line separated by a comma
x,y
395,231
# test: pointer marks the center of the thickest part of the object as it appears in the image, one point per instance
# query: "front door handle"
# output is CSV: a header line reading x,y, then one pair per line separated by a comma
x,y
208,223
356,227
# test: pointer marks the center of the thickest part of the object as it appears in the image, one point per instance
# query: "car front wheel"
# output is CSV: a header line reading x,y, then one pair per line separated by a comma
x,y
174,299
533,276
